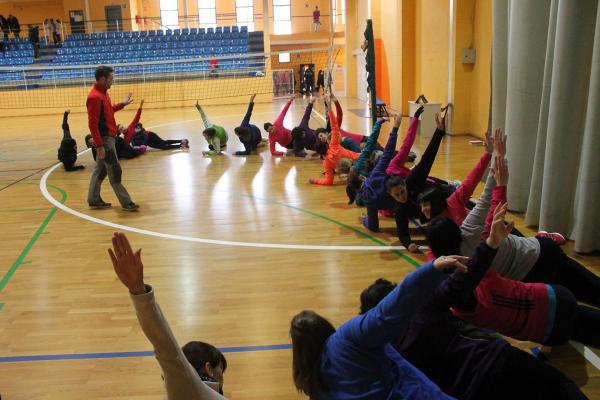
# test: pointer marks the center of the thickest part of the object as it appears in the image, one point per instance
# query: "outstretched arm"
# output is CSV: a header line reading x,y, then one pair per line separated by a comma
x,y
126,102
336,136
131,127
459,286
498,193
181,379
338,110
464,192
307,112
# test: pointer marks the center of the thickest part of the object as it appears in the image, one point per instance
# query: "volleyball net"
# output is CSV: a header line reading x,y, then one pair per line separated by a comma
x,y
226,79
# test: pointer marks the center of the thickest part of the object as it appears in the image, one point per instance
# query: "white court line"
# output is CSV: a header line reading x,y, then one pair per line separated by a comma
x,y
587,353
57,204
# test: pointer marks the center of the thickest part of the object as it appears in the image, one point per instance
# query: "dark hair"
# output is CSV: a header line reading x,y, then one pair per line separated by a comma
x,y
436,199
139,125
394,181
353,184
241,131
103,71
372,161
321,147
210,132
320,130
267,125
372,295
199,353
297,133
443,236
309,331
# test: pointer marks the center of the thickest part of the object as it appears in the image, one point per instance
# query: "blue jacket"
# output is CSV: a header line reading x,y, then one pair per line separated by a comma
x,y
358,361
365,154
255,136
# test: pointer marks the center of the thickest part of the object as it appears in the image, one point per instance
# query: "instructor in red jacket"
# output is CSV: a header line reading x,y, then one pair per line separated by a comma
x,y
103,128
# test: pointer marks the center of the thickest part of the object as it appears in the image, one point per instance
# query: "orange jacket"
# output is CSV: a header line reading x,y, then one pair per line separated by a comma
x,y
334,153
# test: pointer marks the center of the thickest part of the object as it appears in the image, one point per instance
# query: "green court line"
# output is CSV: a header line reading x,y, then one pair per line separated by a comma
x,y
21,258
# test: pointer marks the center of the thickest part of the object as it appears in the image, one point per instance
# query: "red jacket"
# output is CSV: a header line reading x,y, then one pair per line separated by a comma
x,y
101,114
335,152
281,134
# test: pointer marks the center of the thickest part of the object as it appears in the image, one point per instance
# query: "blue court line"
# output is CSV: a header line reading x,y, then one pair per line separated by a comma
x,y
130,354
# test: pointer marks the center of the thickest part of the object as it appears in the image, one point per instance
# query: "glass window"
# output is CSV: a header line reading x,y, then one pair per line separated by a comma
x,y
284,57
343,12
282,17
169,14
207,13
245,14
334,11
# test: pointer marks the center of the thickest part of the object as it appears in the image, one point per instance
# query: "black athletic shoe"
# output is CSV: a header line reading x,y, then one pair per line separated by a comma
x,y
101,205
130,207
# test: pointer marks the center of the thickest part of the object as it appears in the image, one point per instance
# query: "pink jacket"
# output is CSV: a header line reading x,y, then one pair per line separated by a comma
x,y
282,135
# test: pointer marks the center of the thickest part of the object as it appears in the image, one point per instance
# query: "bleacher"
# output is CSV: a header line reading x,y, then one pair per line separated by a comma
x,y
16,52
142,46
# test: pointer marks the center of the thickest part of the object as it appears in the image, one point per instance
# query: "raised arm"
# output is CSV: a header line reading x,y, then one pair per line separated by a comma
x,y
338,111
246,120
336,136
391,316
126,102
181,379
459,286
498,193
474,222
134,122
307,112
368,149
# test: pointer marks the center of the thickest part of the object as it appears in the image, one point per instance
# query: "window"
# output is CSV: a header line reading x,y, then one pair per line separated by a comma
x,y
282,17
284,57
207,13
334,11
244,10
169,15
344,12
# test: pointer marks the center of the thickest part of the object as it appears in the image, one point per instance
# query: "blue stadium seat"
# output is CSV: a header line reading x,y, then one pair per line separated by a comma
x,y
226,29
210,31
244,29
219,29
160,33
202,31
177,32
194,31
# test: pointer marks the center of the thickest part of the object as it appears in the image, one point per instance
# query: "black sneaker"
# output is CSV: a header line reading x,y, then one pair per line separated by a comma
x,y
130,207
101,205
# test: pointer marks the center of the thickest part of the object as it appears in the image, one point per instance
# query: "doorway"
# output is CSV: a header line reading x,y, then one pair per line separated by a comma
x,y
114,18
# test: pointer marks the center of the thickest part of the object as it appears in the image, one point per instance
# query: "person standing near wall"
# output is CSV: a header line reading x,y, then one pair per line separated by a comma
x,y
58,27
13,24
34,38
52,30
4,26
316,18
103,127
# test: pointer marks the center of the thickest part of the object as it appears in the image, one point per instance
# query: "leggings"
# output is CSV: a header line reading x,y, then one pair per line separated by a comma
x,y
65,126
573,321
555,267
518,375
157,142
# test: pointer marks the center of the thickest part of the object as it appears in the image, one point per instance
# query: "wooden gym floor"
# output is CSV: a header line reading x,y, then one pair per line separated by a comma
x,y
66,323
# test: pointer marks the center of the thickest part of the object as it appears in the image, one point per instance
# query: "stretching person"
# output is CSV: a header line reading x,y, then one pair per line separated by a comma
x,y
124,149
384,192
215,135
355,137
358,172
192,373
467,363
248,134
434,203
357,361
335,155
67,152
303,137
279,133
139,137
101,121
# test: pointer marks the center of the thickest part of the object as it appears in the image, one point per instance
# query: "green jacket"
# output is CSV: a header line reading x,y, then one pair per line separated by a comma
x,y
221,137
